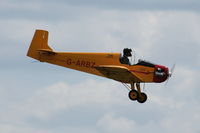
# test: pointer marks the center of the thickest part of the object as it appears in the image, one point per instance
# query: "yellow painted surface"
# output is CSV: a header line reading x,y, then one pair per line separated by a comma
x,y
85,62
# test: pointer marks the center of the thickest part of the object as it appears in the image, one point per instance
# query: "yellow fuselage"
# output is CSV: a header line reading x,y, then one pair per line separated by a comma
x,y
86,62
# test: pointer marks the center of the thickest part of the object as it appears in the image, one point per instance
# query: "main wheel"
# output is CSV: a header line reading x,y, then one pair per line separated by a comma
x,y
133,95
142,98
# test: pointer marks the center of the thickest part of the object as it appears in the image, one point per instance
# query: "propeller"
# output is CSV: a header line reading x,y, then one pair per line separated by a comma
x,y
170,73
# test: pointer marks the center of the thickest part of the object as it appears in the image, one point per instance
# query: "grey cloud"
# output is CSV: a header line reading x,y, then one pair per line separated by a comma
x,y
40,11
131,4
70,9
139,5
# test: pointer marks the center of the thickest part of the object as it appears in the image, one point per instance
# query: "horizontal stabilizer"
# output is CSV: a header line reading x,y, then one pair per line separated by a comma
x,y
46,52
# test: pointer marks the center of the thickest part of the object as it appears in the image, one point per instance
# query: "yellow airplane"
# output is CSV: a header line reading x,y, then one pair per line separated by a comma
x,y
110,65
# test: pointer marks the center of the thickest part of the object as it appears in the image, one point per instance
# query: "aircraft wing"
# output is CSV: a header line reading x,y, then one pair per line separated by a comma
x,y
118,73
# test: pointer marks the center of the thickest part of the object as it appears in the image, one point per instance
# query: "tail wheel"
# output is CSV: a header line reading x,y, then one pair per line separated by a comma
x,y
142,98
133,95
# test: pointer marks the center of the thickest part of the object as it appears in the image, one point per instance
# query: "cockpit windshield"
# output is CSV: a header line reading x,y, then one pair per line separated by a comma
x,y
145,63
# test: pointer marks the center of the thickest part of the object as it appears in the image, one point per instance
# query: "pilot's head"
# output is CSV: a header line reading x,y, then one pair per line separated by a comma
x,y
127,52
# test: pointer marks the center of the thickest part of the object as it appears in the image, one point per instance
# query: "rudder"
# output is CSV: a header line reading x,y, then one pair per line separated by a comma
x,y
39,41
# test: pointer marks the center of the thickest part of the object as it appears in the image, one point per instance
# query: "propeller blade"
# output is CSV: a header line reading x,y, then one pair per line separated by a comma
x,y
172,69
170,73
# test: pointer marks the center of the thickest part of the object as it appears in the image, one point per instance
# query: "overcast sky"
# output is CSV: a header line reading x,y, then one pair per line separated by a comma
x,y
43,98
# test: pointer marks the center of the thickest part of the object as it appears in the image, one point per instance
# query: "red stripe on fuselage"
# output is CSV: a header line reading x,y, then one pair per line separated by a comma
x,y
140,72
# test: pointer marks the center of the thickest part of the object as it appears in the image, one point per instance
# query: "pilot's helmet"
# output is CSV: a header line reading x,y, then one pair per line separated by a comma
x,y
127,52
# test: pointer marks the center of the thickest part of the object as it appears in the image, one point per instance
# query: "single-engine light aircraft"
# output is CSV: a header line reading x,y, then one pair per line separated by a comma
x,y
114,66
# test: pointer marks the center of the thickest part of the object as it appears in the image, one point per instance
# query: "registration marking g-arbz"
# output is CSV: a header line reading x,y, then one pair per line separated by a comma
x,y
80,63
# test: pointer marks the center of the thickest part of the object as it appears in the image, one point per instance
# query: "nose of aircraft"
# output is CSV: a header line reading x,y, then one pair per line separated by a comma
x,y
161,73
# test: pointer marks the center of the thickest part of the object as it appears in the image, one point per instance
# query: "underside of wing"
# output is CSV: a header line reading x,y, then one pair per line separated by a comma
x,y
118,73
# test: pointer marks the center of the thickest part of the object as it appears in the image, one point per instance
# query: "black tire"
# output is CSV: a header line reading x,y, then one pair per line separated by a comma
x,y
142,98
133,95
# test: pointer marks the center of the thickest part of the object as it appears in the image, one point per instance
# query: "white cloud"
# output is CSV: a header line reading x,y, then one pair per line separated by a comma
x,y
8,128
184,120
110,123
167,102
117,112
162,36
62,96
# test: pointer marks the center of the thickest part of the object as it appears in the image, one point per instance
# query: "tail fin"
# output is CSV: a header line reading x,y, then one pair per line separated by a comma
x,y
39,42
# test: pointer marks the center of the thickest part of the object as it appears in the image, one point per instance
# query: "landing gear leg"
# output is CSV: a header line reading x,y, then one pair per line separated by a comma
x,y
133,94
142,97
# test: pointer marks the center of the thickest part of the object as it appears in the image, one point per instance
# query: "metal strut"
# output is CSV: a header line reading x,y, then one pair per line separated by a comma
x,y
138,88
126,86
133,86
